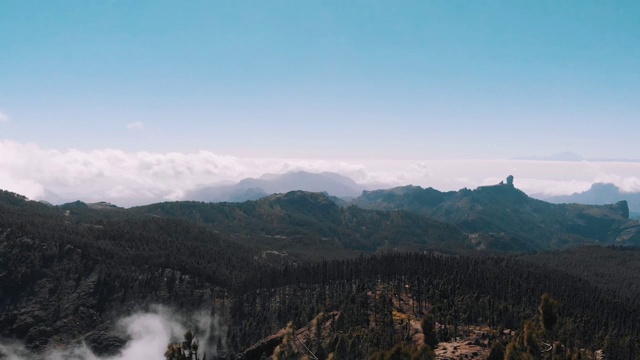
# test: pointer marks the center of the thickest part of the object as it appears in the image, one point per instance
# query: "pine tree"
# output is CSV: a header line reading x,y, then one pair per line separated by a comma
x,y
548,312
429,331
187,350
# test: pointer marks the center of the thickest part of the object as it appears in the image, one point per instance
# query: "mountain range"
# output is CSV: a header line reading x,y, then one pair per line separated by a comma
x,y
256,188
316,262
343,188
66,271
317,225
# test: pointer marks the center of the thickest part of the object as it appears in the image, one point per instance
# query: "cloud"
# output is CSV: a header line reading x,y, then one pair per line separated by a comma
x,y
136,178
3,117
148,334
136,125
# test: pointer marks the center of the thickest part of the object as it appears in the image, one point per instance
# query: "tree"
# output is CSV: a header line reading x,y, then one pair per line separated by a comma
x,y
187,350
287,349
548,312
512,352
497,351
428,325
531,341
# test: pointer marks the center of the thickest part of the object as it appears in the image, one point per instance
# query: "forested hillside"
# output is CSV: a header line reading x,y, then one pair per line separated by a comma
x,y
312,224
366,295
613,268
66,273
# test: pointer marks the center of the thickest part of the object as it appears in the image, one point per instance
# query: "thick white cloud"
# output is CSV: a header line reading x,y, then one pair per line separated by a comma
x,y
133,178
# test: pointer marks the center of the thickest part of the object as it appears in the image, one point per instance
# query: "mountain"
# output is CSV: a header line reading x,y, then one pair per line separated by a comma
x,y
573,157
256,188
67,273
598,194
563,156
312,225
503,217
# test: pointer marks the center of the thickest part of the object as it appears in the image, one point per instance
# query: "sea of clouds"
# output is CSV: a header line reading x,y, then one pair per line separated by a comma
x,y
149,333
136,178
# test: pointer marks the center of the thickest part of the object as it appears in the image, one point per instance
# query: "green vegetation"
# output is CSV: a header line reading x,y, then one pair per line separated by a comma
x,y
516,221
354,283
457,291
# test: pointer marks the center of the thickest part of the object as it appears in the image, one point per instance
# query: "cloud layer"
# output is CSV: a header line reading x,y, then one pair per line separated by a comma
x,y
134,178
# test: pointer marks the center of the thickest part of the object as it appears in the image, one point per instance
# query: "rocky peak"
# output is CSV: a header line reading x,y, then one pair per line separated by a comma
x,y
622,208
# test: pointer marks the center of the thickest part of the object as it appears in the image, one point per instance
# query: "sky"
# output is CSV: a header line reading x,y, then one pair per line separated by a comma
x,y
143,100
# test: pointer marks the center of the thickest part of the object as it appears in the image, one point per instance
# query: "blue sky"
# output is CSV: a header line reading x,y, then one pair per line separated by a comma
x,y
138,101
378,79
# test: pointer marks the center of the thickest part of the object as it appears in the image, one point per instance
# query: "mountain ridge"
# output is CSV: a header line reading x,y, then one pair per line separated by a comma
x,y
498,217
508,213
267,184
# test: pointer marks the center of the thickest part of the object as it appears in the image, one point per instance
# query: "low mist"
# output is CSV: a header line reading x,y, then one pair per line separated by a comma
x,y
148,335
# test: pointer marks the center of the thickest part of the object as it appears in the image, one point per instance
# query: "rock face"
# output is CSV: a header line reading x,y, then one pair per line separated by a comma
x,y
622,208
510,180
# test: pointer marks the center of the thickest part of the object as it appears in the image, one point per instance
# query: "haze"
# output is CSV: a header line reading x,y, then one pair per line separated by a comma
x,y
134,102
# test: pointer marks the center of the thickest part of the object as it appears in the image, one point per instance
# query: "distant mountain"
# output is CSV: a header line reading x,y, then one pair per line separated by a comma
x,y
598,194
571,156
256,188
503,217
563,156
